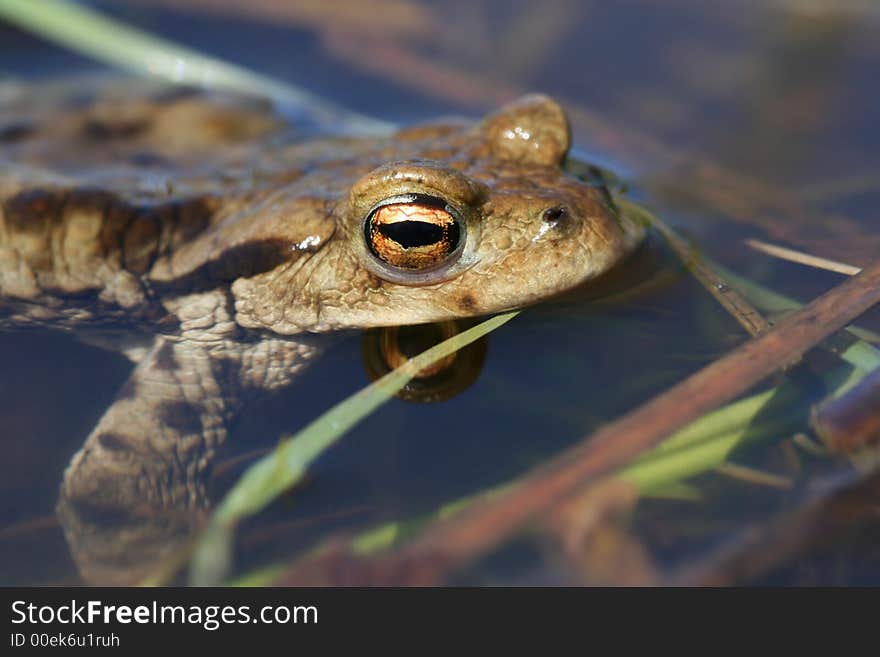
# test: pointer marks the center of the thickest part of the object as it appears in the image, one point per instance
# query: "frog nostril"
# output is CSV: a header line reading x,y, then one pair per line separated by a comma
x,y
555,214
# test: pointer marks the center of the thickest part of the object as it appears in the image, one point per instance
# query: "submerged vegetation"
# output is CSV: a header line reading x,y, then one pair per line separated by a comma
x,y
657,451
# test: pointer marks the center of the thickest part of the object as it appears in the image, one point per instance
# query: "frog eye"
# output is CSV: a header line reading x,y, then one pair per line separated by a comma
x,y
414,232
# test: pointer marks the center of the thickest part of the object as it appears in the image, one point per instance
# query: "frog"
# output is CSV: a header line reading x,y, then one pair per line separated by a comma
x,y
208,239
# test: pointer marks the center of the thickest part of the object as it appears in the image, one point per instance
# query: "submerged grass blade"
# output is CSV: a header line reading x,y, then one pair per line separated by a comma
x,y
738,308
772,301
277,472
113,42
861,354
664,472
281,469
705,444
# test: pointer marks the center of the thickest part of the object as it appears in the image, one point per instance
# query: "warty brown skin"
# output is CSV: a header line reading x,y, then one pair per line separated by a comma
x,y
223,241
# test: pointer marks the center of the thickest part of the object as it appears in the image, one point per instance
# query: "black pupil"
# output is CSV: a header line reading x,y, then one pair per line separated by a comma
x,y
411,234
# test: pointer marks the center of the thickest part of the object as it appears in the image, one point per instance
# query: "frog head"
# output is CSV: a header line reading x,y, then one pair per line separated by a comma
x,y
466,220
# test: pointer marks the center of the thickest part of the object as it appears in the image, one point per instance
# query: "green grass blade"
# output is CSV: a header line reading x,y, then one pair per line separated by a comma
x,y
278,471
113,42
261,577
706,443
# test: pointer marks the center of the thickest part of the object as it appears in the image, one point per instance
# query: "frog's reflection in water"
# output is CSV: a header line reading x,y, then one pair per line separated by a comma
x,y
131,544
384,349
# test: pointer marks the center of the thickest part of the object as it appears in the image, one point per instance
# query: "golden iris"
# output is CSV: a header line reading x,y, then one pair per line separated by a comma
x,y
414,232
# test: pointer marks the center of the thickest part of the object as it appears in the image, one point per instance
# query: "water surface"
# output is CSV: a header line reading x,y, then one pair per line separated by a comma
x,y
752,119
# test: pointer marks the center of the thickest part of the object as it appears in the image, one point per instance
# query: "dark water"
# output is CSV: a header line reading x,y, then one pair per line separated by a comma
x,y
782,100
